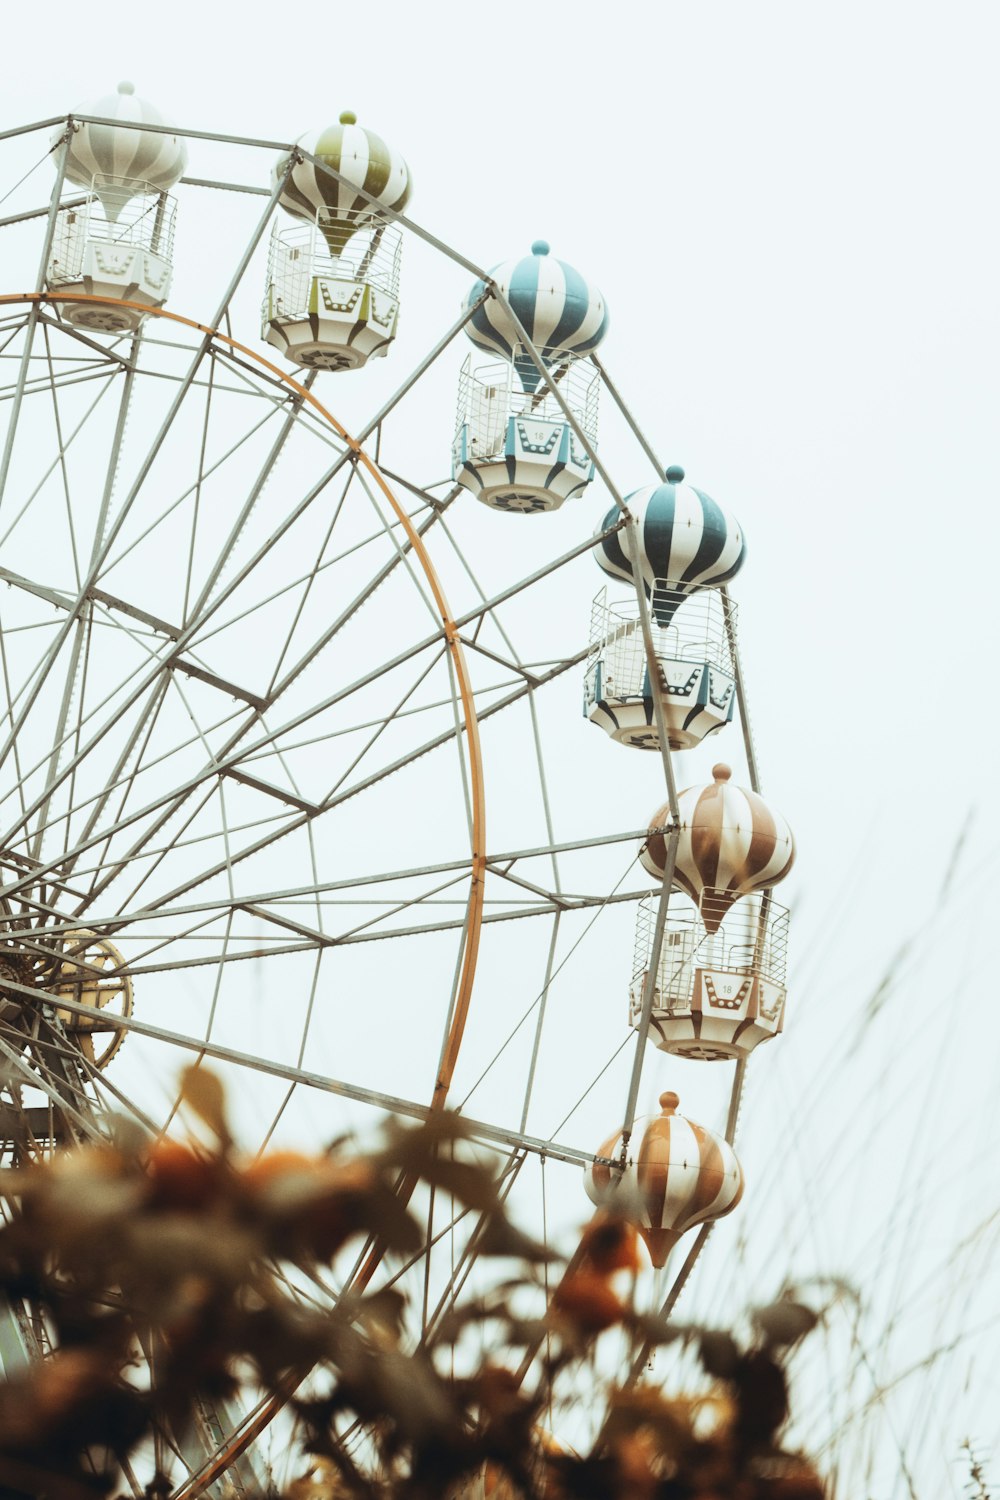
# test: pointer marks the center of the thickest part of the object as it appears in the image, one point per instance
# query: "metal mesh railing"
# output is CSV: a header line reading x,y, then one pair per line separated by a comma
x,y
752,941
700,631
120,211
350,247
489,395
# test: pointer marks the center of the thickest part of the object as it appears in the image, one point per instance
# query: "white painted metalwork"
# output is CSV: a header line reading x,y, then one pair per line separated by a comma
x,y
715,995
117,244
514,449
333,305
695,679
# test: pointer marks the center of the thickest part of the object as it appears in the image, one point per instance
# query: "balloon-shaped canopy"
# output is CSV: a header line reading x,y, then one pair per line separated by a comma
x,y
685,539
364,160
731,842
677,1174
118,159
562,314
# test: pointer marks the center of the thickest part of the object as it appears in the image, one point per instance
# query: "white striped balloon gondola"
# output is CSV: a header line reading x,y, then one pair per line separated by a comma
x,y
731,842
514,448
332,299
106,157
117,244
676,1174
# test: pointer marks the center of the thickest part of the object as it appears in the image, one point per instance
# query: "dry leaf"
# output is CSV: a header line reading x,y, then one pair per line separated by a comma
x,y
204,1093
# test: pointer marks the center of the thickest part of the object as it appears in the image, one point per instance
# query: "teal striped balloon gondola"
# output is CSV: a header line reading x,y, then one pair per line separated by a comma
x,y
562,314
687,541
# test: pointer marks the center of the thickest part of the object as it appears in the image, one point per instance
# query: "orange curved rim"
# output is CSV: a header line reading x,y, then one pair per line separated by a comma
x,y
474,910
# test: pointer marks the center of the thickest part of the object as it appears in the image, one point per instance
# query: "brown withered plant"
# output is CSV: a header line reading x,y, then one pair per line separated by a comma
x,y
166,1275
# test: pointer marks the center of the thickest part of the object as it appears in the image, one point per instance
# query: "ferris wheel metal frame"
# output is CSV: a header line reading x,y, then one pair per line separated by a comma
x,y
216,335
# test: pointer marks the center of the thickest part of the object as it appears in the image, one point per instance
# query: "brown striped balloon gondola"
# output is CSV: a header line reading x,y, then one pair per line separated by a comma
x,y
720,983
675,1174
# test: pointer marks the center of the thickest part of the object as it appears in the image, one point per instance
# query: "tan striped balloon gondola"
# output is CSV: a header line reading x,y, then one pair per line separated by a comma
x,y
732,842
677,1174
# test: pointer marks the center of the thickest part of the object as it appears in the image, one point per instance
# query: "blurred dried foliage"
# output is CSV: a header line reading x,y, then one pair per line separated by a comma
x,y
166,1273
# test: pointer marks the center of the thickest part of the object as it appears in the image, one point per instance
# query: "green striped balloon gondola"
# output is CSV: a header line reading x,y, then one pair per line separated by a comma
x,y
332,298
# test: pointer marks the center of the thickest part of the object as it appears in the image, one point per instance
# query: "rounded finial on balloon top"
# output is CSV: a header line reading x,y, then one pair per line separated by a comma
x,y
685,540
118,160
731,842
363,160
562,314
674,475
669,1102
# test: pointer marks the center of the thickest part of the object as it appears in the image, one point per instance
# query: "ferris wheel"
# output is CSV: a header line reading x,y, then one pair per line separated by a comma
x,y
288,720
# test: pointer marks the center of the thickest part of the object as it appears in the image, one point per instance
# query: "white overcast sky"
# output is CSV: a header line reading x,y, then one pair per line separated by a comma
x,y
792,211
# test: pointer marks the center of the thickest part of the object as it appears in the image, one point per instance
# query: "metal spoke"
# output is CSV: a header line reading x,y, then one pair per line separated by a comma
x,y
401,657
357,882
34,310
58,459
387,1103
70,528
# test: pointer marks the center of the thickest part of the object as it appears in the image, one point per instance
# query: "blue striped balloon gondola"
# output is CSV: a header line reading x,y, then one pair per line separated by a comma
x,y
514,447
562,314
686,541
